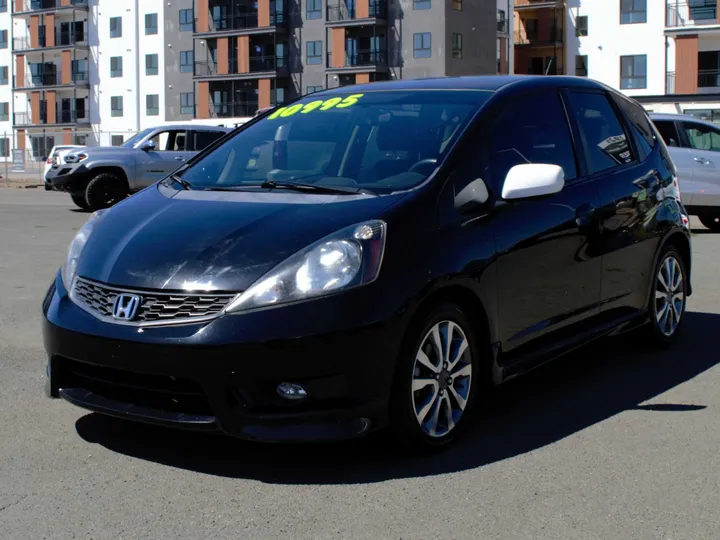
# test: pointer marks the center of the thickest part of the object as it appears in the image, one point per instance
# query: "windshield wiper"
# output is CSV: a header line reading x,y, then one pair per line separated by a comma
x,y
184,183
295,186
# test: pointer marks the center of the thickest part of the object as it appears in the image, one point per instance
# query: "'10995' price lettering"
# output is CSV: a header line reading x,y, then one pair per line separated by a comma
x,y
317,105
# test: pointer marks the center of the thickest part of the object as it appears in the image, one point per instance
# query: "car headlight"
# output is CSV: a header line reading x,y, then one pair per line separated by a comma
x,y
75,158
76,247
343,260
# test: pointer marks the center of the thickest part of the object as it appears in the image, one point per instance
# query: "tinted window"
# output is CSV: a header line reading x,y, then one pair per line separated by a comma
x,y
533,129
702,137
606,145
169,141
639,123
204,139
668,132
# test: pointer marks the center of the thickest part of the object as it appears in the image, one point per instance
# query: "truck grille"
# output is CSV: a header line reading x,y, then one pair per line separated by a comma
x,y
155,306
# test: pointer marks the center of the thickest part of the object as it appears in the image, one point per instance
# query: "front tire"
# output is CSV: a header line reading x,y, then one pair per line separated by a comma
x,y
436,381
105,190
80,201
712,222
668,297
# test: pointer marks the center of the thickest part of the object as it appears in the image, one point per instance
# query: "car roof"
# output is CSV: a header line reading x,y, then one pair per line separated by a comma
x,y
490,83
680,117
195,127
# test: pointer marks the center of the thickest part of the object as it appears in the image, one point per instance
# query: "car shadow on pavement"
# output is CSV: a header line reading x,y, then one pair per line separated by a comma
x,y
545,406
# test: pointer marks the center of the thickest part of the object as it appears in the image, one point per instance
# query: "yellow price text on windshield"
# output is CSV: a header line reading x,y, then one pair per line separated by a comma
x,y
317,105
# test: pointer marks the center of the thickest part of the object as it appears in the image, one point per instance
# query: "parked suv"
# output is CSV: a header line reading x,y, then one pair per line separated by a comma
x,y
98,177
371,256
694,146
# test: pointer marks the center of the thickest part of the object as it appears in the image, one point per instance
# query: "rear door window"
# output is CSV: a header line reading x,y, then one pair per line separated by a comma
x,y
702,137
604,140
639,124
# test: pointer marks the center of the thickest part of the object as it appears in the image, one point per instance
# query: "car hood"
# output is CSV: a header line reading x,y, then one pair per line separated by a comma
x,y
166,239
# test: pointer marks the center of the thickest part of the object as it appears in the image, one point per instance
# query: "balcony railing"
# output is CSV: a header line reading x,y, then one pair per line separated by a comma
x,y
39,5
708,78
241,21
377,9
693,13
237,109
61,117
538,38
38,80
256,64
362,58
62,39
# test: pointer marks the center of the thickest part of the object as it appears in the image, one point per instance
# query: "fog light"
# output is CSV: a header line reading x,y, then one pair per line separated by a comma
x,y
291,391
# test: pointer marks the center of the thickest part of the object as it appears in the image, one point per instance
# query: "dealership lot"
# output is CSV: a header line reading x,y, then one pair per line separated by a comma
x,y
600,445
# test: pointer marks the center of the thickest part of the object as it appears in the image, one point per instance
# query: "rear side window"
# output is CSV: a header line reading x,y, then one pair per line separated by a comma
x,y
533,129
668,131
639,123
702,137
603,137
203,139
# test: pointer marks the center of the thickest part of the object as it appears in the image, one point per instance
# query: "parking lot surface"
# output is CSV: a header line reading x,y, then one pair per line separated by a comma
x,y
612,442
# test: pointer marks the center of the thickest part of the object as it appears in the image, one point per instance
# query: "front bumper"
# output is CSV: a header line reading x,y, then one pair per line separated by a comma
x,y
70,178
211,377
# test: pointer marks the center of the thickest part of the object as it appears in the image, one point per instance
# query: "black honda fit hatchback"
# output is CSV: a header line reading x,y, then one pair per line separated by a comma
x,y
374,256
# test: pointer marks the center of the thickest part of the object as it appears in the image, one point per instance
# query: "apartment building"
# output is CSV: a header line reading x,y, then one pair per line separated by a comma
x,y
505,42
539,32
250,55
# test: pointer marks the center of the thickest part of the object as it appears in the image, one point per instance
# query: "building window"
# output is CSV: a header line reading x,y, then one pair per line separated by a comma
x,y
115,27
581,65
4,112
313,9
116,65
314,52
581,26
422,43
457,45
633,11
117,140
633,72
3,75
81,140
3,39
186,61
457,5
151,24
187,103
186,20
5,141
116,106
151,64
3,6
152,104
422,4
502,24
311,89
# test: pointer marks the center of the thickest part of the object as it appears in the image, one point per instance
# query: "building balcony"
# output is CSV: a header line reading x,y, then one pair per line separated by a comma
x,y
361,12
503,26
538,39
71,118
62,39
679,15
243,22
51,80
33,7
239,109
257,66
364,60
530,5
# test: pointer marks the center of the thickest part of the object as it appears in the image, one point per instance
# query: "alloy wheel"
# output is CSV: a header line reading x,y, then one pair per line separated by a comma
x,y
442,375
669,296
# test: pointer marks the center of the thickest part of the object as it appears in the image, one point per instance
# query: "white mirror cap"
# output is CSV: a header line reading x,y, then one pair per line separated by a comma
x,y
533,180
475,192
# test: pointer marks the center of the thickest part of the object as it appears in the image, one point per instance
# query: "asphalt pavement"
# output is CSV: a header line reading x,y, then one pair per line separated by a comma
x,y
615,442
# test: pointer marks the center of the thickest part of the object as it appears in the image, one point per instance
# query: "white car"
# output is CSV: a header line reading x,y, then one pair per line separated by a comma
x,y
694,146
53,158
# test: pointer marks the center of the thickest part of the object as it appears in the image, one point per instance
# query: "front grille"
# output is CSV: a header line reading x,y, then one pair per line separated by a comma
x,y
160,392
155,306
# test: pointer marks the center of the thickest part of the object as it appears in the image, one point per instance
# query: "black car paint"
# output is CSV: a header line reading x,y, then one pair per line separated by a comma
x,y
539,277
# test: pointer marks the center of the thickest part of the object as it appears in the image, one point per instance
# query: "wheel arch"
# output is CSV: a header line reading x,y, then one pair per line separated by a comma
x,y
112,169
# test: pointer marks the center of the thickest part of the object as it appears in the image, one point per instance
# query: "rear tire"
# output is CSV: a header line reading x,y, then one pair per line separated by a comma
x,y
712,222
436,380
105,190
668,298
80,201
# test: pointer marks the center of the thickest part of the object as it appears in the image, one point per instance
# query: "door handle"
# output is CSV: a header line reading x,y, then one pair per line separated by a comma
x,y
178,158
702,160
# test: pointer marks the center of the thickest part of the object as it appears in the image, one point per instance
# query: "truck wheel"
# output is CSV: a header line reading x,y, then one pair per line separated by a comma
x,y
80,201
711,222
105,190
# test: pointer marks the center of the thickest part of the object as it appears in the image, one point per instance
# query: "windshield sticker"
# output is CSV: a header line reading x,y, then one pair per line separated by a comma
x,y
318,105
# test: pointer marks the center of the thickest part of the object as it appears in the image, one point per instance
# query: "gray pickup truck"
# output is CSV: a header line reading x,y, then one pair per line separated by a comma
x,y
99,177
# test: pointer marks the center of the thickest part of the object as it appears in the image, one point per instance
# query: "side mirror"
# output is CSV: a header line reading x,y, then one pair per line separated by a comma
x,y
533,180
147,146
472,196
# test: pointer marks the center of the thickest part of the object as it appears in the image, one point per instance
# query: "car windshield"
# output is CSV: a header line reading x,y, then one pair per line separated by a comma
x,y
379,141
132,141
